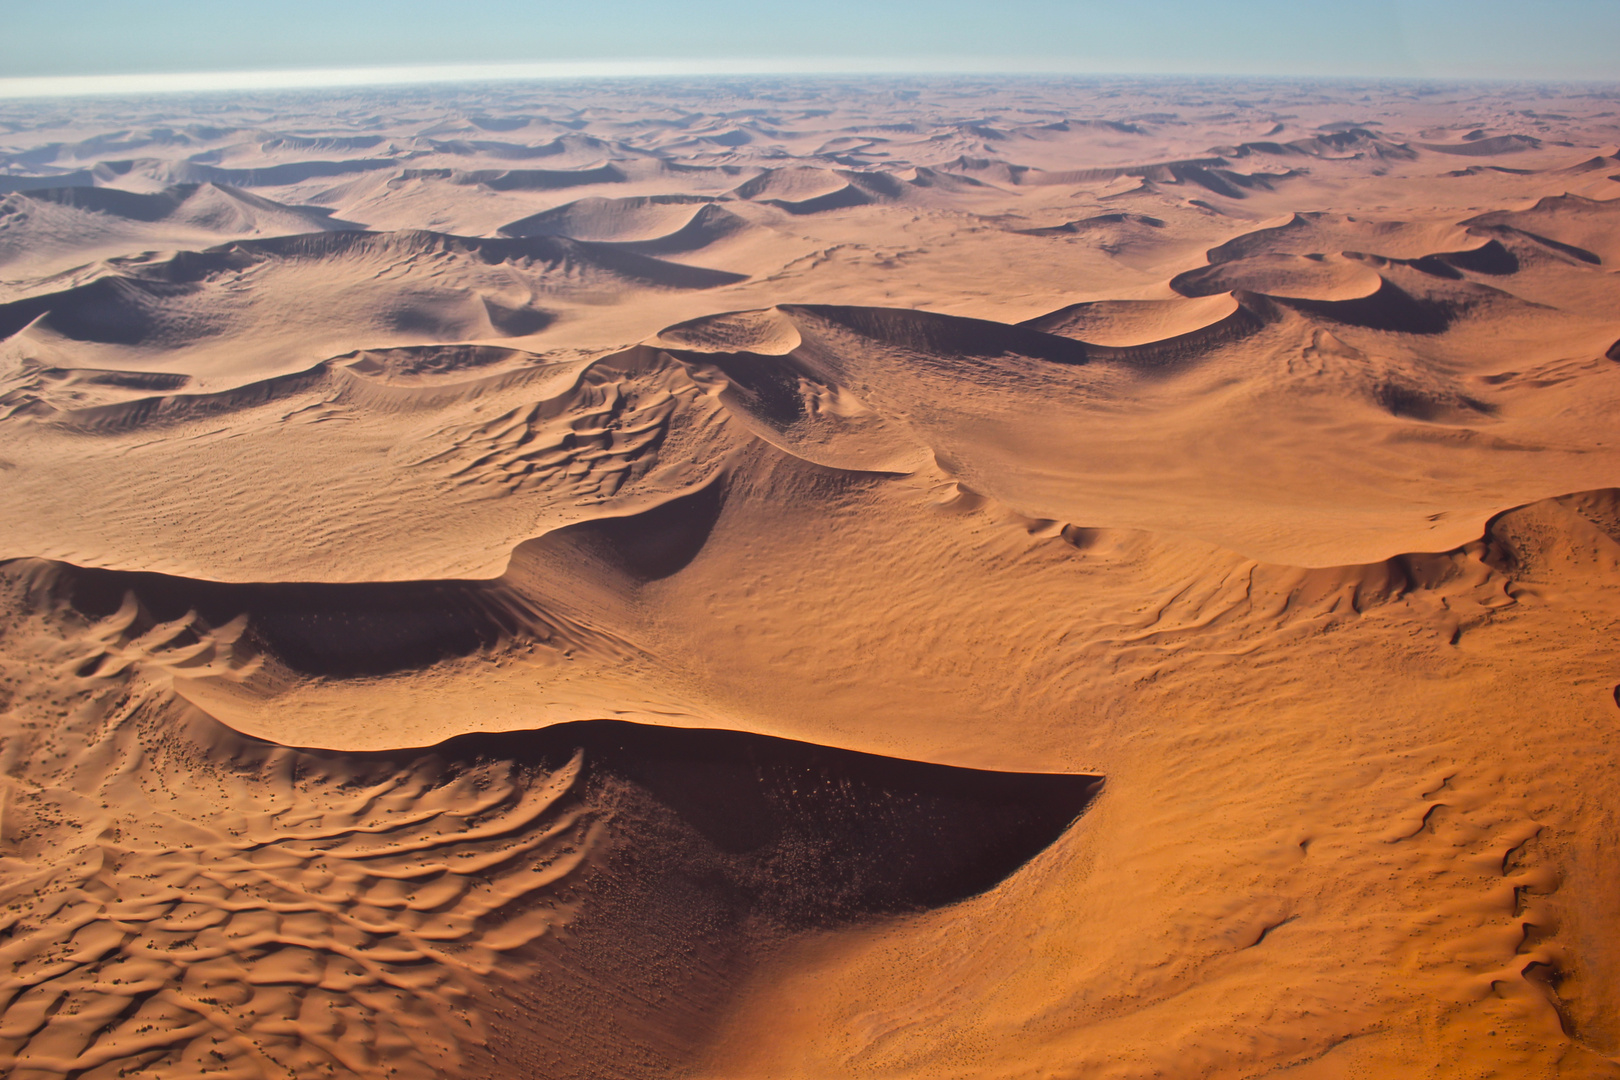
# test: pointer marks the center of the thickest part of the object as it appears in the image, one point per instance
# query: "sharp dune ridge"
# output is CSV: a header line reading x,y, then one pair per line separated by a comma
x,y
794,578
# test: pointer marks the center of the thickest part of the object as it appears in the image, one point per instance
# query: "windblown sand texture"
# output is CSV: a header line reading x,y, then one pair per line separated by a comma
x,y
803,579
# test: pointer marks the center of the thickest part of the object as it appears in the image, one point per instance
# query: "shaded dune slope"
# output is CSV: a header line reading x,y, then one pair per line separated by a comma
x,y
615,594
359,914
630,877
346,630
569,436
208,206
883,390
898,382
1580,227
179,300
1124,323
58,228
651,225
597,218
386,379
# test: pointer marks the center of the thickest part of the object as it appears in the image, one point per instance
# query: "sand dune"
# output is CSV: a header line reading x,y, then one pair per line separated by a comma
x,y
1489,146
204,206
412,286
1577,227
974,395
1322,234
645,218
287,909
1123,323
1299,277
1352,142
810,580
1204,173
649,225
59,228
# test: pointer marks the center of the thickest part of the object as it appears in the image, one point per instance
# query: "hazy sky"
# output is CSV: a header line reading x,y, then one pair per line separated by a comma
x,y
1542,39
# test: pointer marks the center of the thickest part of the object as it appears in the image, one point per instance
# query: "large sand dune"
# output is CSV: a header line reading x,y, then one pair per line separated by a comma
x,y
902,579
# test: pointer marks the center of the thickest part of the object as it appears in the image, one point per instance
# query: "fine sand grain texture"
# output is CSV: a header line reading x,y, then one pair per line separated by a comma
x,y
810,579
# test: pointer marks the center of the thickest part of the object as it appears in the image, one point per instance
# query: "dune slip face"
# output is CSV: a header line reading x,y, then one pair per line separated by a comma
x,y
811,579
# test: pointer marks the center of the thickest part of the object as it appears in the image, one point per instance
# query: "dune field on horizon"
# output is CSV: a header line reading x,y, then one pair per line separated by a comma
x,y
920,579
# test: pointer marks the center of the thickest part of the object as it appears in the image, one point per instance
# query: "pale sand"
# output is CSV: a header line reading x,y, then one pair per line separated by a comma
x,y
1148,556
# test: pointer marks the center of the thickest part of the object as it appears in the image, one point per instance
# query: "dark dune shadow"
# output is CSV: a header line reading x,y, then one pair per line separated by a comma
x,y
708,225
148,304
731,845
653,544
160,205
770,384
945,335
1490,258
338,630
807,835
567,219
345,630
718,848
1390,309
1166,355
136,206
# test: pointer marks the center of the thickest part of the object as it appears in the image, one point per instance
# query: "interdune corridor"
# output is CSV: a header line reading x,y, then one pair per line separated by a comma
x,y
811,579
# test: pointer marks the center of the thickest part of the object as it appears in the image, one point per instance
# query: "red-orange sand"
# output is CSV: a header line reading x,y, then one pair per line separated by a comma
x,y
1219,479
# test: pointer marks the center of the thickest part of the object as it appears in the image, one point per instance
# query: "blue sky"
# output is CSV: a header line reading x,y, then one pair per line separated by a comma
x,y
1550,39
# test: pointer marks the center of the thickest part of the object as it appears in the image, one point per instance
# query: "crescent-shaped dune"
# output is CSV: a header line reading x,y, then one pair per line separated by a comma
x,y
1123,323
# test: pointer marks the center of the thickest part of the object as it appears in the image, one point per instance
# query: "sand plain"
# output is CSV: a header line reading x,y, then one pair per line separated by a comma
x,y
811,579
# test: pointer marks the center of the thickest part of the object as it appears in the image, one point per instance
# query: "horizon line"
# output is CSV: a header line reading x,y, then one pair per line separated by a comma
x,y
58,86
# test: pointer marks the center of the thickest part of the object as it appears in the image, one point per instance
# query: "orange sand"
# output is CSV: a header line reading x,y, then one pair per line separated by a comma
x,y
1250,448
